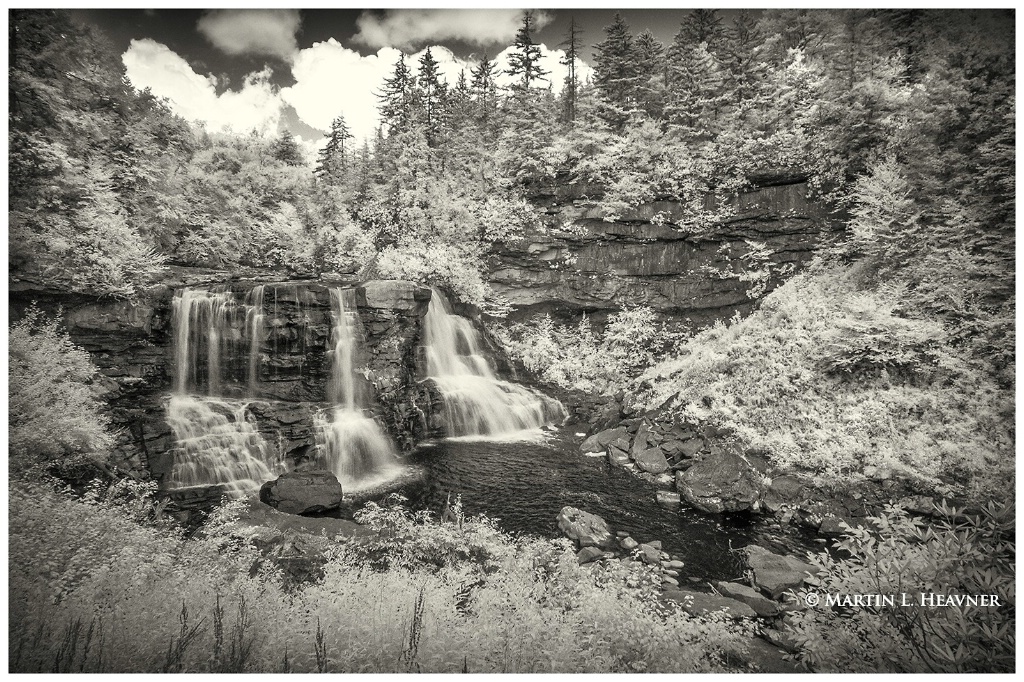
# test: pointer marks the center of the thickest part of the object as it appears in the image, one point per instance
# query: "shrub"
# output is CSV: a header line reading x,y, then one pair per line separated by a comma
x,y
835,382
955,554
576,357
92,591
53,411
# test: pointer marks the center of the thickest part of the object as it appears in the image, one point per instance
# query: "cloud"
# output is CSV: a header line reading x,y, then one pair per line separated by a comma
x,y
252,31
550,60
330,79
413,27
152,65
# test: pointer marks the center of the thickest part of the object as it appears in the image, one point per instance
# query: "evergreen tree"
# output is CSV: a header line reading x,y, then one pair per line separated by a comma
x,y
397,97
483,89
650,58
702,26
333,159
572,48
524,62
617,66
432,94
286,149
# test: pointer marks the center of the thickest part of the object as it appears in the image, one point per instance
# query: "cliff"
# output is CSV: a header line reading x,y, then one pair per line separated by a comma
x,y
580,262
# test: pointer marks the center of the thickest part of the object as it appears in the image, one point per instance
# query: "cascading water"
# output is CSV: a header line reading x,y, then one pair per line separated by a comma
x,y
476,402
215,444
355,447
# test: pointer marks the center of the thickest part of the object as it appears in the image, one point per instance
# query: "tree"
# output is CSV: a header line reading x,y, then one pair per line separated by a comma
x,y
432,94
572,47
286,149
524,61
616,65
650,59
397,96
483,89
332,161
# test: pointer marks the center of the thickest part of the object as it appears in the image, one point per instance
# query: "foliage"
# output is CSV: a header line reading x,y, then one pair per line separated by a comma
x,y
957,553
54,412
843,384
577,357
92,591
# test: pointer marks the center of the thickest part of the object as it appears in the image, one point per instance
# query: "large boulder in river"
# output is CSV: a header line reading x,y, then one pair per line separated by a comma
x,y
599,441
722,482
774,574
652,460
303,492
588,530
700,603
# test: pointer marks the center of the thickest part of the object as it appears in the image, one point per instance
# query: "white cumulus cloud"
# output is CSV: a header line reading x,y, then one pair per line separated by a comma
x,y
413,27
256,105
252,31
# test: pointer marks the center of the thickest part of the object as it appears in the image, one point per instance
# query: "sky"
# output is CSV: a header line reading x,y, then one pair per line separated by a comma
x,y
271,69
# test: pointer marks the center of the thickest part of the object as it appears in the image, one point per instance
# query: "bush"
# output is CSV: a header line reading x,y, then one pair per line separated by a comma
x,y
54,413
955,554
92,591
576,357
835,382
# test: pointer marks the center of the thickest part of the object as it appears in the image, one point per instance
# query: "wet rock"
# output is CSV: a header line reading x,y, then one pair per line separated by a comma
x,y
617,457
668,500
788,488
699,603
303,492
722,482
833,527
669,581
588,530
762,605
393,294
656,544
628,544
651,460
649,555
774,574
600,440
588,554
640,441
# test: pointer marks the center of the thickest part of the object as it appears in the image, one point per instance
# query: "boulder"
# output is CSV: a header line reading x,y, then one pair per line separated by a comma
x,y
722,482
588,554
774,574
628,544
393,294
765,658
762,605
833,527
588,530
640,441
617,457
599,441
699,603
303,492
650,555
591,444
668,500
651,460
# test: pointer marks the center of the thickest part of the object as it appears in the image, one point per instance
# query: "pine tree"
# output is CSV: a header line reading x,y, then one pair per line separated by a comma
x,y
432,92
524,62
616,65
286,150
702,26
483,89
650,57
397,97
333,159
572,48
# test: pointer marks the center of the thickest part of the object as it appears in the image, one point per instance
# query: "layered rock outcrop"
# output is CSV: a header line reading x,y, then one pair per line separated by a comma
x,y
581,262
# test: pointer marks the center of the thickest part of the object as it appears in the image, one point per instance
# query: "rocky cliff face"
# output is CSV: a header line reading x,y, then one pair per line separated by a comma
x,y
581,262
131,344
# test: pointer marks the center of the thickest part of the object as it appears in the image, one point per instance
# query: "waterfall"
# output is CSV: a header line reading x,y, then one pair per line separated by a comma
x,y
355,447
476,402
214,443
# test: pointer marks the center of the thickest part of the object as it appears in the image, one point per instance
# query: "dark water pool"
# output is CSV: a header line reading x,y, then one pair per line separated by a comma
x,y
524,485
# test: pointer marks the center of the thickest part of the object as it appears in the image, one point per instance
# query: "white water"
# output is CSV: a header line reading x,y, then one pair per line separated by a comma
x,y
476,402
355,447
214,442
